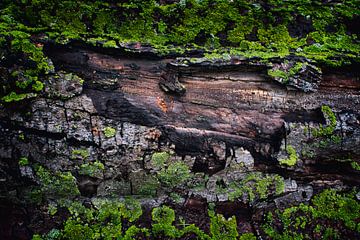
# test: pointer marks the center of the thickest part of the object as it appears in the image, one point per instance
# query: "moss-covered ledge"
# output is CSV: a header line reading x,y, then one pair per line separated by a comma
x,y
322,32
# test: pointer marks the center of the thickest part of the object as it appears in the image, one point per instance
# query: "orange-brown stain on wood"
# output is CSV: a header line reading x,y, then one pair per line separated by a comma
x,y
95,131
162,104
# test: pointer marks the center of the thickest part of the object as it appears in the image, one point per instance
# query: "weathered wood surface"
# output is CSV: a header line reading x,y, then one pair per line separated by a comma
x,y
236,103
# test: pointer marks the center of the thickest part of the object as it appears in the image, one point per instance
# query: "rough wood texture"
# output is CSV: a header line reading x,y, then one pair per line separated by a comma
x,y
236,103
227,121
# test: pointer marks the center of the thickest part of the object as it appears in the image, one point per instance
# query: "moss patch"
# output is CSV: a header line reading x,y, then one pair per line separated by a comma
x,y
329,128
109,132
292,159
255,29
310,221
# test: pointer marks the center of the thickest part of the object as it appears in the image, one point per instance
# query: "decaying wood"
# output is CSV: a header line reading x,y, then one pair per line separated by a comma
x,y
235,103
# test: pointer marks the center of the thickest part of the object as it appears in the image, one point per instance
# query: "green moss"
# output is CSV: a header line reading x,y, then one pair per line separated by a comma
x,y
52,209
329,128
175,197
21,136
248,236
110,44
292,159
164,215
160,158
112,219
23,161
92,169
355,165
255,185
58,185
109,132
37,237
251,29
106,216
277,73
14,97
221,228
174,174
285,75
118,219
327,207
170,174
80,153
279,184
37,86
149,187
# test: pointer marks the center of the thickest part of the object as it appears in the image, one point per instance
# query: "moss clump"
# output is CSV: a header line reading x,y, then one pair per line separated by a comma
x,y
254,186
355,165
16,97
248,236
23,161
80,153
253,29
277,73
109,132
92,169
25,60
57,186
174,174
222,228
285,75
160,158
292,159
113,219
110,44
326,208
328,129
